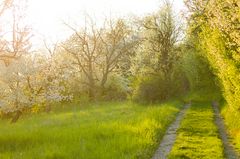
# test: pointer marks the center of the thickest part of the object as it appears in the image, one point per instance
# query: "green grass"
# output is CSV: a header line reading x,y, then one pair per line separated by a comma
x,y
197,136
232,122
203,95
99,131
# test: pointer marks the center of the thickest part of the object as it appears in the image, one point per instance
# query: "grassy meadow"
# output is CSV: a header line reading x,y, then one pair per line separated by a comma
x,y
102,131
198,136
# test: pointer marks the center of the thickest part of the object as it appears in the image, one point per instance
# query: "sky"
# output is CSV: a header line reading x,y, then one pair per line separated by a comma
x,y
46,17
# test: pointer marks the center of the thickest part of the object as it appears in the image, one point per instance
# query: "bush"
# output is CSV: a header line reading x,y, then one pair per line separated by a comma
x,y
156,89
117,88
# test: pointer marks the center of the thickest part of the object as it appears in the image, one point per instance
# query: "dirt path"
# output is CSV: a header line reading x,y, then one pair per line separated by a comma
x,y
229,151
170,136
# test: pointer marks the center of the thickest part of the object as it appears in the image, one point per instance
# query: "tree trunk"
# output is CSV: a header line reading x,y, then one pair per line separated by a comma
x,y
48,108
91,93
91,89
16,117
103,82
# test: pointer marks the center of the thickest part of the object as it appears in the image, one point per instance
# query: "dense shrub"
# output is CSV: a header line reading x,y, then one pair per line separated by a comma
x,y
156,89
149,90
117,88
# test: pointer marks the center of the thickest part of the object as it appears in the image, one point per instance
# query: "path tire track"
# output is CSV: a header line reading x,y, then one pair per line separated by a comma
x,y
170,136
229,151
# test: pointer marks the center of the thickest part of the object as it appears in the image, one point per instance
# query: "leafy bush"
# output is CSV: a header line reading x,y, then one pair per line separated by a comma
x,y
117,88
155,89
149,90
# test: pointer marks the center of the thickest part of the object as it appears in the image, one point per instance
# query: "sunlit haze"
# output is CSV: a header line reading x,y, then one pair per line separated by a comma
x,y
119,79
46,16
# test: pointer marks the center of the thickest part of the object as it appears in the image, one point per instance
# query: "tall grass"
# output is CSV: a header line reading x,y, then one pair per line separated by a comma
x,y
232,122
99,131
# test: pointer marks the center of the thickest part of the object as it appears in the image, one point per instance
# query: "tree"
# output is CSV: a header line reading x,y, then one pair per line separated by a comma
x,y
160,34
30,84
5,5
118,44
13,42
156,58
84,47
97,52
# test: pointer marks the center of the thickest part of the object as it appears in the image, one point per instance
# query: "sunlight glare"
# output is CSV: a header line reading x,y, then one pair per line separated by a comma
x,y
46,16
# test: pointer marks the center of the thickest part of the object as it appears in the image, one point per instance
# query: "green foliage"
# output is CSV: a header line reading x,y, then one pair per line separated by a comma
x,y
203,95
196,68
156,89
117,88
224,66
215,24
151,89
103,131
198,135
216,29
